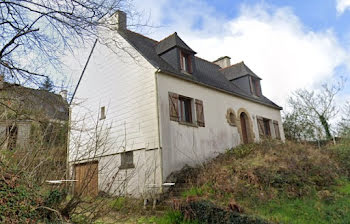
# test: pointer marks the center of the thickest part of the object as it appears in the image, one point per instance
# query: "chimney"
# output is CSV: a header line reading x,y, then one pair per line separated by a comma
x,y
119,20
64,94
1,81
223,62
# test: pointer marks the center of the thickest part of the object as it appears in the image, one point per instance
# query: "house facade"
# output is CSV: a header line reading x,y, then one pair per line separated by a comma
x,y
29,115
144,109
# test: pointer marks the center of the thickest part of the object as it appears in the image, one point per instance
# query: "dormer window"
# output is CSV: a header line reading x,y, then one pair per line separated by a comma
x,y
185,62
255,86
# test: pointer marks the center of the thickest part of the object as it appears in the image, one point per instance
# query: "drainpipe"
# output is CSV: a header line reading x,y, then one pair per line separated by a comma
x,y
158,123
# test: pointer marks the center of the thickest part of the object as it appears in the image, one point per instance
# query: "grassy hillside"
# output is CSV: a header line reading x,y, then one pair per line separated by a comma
x,y
268,182
284,183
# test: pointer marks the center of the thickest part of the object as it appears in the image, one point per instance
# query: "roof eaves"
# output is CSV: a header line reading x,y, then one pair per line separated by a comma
x,y
219,89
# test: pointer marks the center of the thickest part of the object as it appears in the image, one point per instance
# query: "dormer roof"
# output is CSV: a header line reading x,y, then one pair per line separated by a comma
x,y
206,73
170,42
237,71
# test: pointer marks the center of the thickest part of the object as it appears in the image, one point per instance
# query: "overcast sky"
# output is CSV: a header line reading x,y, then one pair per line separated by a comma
x,y
290,44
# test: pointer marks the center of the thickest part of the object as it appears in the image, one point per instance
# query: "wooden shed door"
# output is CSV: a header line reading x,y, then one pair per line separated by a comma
x,y
86,175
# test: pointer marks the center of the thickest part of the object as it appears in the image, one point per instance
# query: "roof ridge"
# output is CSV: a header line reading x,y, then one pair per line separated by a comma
x,y
242,62
175,33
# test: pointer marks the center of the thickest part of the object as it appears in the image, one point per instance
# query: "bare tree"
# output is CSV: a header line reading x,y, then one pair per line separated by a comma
x,y
316,108
34,34
344,124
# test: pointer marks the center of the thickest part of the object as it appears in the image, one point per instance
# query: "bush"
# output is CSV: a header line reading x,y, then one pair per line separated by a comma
x,y
341,153
207,212
263,170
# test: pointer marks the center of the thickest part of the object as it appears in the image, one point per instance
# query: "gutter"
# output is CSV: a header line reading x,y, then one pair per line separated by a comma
x,y
158,123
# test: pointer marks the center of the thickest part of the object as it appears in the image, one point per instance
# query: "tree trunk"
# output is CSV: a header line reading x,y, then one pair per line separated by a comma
x,y
325,126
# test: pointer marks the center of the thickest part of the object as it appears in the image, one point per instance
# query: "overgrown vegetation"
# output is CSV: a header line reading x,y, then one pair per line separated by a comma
x,y
287,183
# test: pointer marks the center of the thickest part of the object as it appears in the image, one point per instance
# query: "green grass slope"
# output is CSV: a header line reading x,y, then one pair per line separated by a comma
x,y
282,183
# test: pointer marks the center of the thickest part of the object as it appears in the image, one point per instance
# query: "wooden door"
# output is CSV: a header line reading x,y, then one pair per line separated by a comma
x,y
86,175
243,118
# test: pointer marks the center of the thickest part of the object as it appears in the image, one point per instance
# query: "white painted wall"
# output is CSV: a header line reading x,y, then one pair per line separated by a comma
x,y
182,144
123,82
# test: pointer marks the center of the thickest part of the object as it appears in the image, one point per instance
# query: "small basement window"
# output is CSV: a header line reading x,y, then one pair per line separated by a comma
x,y
185,109
127,160
103,113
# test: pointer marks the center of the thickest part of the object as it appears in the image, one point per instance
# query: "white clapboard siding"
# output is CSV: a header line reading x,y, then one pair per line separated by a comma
x,y
125,86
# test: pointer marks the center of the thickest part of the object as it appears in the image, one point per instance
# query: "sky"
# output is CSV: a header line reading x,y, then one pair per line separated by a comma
x,y
290,44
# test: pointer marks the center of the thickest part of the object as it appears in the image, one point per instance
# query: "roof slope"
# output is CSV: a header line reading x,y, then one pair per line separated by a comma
x,y
206,73
35,102
170,42
237,70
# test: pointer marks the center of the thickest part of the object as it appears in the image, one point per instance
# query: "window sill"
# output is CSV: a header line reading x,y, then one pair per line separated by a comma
x,y
127,167
188,124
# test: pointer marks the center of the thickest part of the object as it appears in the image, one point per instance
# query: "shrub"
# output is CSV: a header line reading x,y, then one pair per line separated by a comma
x,y
263,170
207,212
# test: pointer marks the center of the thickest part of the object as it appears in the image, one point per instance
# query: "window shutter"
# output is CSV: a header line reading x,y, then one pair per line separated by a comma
x,y
260,121
200,113
173,106
277,129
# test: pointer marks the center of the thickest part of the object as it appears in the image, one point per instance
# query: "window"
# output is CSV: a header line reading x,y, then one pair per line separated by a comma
x,y
264,127
277,129
267,127
255,86
182,109
231,117
103,113
11,133
127,160
185,109
185,62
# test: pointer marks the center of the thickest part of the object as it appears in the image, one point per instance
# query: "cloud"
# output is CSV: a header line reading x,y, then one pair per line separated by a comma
x,y
272,41
342,5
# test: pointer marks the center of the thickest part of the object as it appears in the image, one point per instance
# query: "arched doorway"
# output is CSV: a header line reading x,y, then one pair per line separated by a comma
x,y
244,127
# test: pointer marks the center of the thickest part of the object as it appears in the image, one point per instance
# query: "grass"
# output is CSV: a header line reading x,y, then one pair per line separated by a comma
x,y
170,217
334,208
193,191
283,183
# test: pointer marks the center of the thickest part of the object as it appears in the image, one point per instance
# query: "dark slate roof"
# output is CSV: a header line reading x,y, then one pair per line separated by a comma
x,y
170,42
35,101
206,73
238,70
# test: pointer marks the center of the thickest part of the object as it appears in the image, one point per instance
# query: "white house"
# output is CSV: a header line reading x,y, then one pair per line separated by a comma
x,y
145,108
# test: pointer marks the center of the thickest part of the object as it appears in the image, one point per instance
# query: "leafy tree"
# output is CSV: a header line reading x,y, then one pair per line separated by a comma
x,y
34,34
297,127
